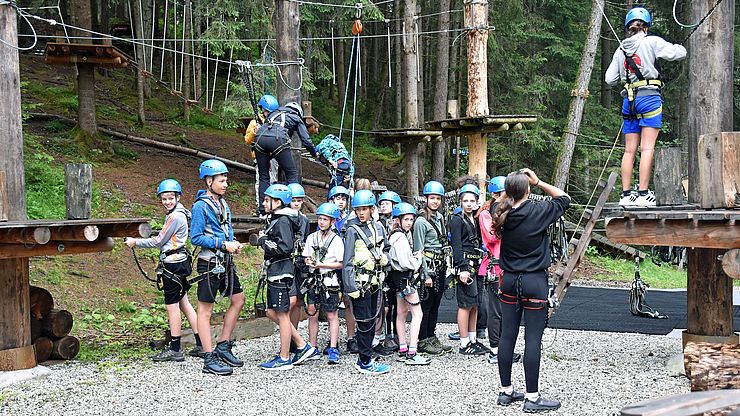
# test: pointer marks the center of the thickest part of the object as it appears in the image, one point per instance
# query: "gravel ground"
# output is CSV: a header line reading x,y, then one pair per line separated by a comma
x,y
592,373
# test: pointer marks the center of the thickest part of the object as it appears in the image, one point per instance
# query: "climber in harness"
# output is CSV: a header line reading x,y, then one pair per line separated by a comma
x,y
273,142
635,65
387,201
278,243
323,253
174,268
266,105
211,231
364,258
332,152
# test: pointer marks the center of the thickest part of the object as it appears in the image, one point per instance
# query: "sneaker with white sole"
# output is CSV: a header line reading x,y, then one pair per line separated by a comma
x,y
629,200
276,364
305,353
417,359
168,355
372,368
647,200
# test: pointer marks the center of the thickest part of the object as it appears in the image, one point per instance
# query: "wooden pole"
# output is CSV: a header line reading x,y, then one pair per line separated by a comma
x,y
440,87
710,60
286,20
78,190
3,198
15,251
15,316
476,15
667,176
579,94
411,99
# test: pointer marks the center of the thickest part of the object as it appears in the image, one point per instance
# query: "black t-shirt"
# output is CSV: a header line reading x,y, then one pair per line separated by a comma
x,y
525,246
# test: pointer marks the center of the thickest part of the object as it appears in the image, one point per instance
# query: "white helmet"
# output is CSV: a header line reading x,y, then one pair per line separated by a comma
x,y
295,106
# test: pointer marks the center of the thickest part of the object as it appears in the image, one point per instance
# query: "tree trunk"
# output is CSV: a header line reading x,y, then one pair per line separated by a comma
x,y
81,17
187,80
477,14
411,102
607,52
440,87
147,14
578,102
141,56
398,73
712,366
43,347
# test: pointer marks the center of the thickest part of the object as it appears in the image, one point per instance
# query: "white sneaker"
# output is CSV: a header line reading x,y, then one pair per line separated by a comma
x,y
647,200
628,200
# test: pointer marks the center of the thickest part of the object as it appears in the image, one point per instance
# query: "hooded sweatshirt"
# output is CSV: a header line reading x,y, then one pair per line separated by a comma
x,y
211,225
174,235
278,243
356,252
525,246
645,50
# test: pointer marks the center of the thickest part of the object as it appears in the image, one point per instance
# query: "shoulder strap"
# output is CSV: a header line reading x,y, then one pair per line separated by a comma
x,y
633,66
442,238
365,239
323,250
223,219
275,117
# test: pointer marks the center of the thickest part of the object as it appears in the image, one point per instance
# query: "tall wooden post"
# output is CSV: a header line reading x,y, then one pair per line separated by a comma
x,y
439,149
476,15
78,190
16,351
86,117
411,99
286,21
709,290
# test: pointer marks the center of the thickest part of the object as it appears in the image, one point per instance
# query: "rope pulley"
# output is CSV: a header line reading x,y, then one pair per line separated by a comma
x,y
357,25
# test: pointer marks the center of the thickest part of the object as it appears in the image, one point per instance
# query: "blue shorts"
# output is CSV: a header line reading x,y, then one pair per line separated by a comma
x,y
643,105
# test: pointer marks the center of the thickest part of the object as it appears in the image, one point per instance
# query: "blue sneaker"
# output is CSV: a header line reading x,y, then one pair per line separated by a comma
x,y
304,354
373,367
316,355
334,355
276,364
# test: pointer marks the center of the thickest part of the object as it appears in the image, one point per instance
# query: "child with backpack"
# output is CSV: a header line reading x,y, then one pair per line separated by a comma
x,y
332,152
266,105
324,252
297,300
176,267
364,259
211,231
278,242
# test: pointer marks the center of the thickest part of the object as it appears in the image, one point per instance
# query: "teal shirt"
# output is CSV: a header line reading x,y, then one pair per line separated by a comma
x,y
425,236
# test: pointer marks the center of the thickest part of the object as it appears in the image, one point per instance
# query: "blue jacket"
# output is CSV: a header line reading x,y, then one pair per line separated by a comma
x,y
332,150
210,226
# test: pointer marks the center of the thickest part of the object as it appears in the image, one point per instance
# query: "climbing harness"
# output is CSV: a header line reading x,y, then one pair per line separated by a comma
x,y
638,304
632,87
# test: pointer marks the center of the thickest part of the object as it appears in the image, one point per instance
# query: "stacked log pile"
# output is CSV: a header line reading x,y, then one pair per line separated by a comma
x,y
50,328
712,366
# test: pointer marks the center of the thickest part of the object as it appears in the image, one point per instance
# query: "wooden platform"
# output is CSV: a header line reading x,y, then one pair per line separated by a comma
x,y
408,135
486,124
107,56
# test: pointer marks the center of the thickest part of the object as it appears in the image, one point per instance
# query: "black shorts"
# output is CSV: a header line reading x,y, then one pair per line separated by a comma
x,y
467,295
397,281
328,300
278,298
213,284
297,282
175,281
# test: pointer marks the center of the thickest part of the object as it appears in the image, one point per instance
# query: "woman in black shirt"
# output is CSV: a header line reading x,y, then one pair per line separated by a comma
x,y
525,257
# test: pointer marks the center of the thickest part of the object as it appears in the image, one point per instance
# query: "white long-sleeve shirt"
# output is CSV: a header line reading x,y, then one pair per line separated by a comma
x,y
400,256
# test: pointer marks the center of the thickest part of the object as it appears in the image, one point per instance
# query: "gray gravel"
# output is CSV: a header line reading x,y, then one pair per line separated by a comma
x,y
592,373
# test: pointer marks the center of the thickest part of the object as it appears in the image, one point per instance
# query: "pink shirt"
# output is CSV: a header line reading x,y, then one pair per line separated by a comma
x,y
491,243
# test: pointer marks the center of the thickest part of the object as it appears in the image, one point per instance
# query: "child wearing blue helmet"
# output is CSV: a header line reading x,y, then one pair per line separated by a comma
x,y
211,231
634,65
278,242
176,267
266,105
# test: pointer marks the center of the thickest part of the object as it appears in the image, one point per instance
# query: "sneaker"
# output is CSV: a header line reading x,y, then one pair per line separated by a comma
x,y
454,336
647,200
334,355
427,347
629,200
197,351
481,347
223,351
417,359
505,399
168,355
373,367
401,357
492,358
437,343
304,354
540,405
382,350
471,349
316,355
352,346
481,334
325,351
391,344
213,365
277,364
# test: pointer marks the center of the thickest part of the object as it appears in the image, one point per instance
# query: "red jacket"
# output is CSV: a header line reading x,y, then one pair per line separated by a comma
x,y
490,242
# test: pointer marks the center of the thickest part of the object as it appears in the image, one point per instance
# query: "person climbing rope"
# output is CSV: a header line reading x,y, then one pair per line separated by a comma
x,y
273,142
266,105
635,65
332,152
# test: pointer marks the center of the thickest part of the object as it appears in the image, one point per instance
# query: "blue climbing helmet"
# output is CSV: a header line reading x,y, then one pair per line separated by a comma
x,y
268,102
402,209
329,209
363,198
297,190
212,167
468,188
434,188
496,184
638,13
389,196
338,190
281,192
169,185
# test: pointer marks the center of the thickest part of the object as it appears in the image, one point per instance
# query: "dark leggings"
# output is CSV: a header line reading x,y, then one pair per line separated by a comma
x,y
284,159
522,294
493,313
390,303
430,306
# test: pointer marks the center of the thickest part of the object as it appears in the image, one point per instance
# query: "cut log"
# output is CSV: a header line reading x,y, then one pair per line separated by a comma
x,y
81,233
9,251
712,366
43,347
667,176
731,263
57,324
719,170
78,190
65,348
41,302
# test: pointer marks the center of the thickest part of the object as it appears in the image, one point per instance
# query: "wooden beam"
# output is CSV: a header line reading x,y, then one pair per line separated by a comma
x,y
35,235
3,198
709,294
685,404
19,358
77,233
126,230
667,176
15,251
681,233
